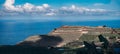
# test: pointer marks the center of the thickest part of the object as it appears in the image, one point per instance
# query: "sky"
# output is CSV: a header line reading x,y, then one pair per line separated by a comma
x,y
65,10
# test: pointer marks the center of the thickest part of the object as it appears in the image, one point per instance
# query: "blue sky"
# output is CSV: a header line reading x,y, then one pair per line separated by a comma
x,y
58,3
54,9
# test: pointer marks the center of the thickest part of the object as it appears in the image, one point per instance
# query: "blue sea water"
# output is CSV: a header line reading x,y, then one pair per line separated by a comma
x,y
12,33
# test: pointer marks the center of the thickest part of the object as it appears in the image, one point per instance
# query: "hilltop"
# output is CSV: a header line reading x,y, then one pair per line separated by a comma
x,y
65,35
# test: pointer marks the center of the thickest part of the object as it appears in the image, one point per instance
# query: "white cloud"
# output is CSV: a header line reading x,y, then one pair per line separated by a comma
x,y
28,7
46,10
50,14
81,10
46,6
8,5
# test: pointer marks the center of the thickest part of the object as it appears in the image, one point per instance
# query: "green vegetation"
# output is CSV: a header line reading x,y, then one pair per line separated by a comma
x,y
88,38
74,44
110,35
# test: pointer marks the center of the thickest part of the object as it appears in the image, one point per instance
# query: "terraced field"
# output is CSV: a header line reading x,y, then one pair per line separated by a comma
x,y
69,34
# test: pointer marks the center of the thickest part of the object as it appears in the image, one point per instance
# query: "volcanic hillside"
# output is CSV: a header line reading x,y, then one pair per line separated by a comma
x,y
66,34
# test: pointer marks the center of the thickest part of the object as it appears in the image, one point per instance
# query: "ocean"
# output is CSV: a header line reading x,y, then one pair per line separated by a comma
x,y
12,32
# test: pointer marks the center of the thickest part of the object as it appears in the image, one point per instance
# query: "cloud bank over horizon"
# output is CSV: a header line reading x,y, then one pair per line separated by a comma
x,y
46,10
